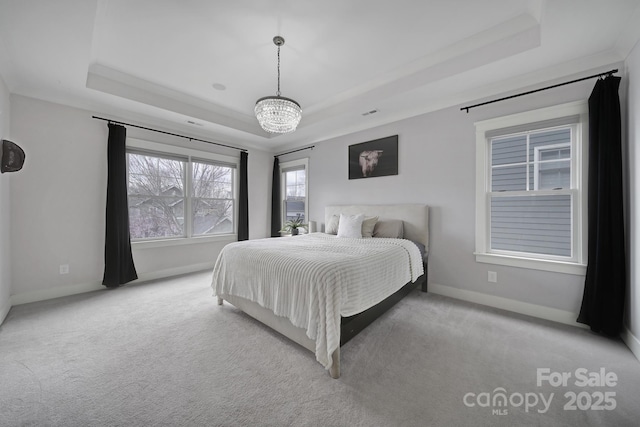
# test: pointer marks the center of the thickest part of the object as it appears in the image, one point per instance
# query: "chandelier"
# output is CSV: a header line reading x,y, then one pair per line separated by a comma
x,y
277,114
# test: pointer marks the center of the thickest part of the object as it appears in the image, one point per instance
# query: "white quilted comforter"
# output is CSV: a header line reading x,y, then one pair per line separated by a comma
x,y
314,279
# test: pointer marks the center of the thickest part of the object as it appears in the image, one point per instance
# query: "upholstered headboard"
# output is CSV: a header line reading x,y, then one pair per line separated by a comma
x,y
414,216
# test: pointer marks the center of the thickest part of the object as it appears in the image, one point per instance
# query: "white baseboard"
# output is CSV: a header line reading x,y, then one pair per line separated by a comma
x,y
534,310
63,291
631,341
520,307
177,271
4,310
57,292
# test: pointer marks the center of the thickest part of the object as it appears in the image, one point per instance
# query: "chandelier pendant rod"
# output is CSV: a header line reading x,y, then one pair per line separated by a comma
x,y
278,92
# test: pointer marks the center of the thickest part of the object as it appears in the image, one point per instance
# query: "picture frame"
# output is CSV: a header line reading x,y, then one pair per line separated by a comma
x,y
375,158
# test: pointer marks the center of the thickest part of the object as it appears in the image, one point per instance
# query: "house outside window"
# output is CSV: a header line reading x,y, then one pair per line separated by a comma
x,y
294,189
178,193
531,189
156,195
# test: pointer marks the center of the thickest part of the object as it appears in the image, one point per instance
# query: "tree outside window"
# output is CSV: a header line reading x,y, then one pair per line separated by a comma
x,y
159,206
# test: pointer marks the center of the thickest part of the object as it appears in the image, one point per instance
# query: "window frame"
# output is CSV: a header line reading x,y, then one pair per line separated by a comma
x,y
537,161
234,189
483,253
304,162
139,146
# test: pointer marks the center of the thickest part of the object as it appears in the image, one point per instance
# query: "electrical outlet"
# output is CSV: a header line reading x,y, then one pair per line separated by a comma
x,y
64,268
492,277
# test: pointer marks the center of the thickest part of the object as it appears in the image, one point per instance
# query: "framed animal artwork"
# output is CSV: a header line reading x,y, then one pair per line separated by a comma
x,y
374,158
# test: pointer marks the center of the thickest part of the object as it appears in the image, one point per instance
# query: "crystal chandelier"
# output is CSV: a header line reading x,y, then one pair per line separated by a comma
x,y
277,114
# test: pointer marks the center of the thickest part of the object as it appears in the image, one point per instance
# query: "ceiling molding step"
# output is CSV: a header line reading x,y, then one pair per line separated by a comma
x,y
566,71
548,76
117,83
530,81
630,35
536,8
502,41
175,127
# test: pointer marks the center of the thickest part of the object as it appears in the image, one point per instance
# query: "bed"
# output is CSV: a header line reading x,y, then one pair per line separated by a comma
x,y
319,289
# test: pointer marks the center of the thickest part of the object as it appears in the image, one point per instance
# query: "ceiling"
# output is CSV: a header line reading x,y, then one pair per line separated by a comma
x,y
162,63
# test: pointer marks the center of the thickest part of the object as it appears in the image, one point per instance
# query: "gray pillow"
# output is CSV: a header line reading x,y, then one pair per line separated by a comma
x,y
368,225
391,228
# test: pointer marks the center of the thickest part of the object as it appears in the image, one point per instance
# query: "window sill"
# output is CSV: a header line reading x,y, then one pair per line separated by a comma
x,y
159,243
533,264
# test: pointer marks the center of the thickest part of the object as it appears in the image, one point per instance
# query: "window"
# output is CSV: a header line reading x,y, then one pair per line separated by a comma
x,y
156,196
174,194
531,192
212,200
294,190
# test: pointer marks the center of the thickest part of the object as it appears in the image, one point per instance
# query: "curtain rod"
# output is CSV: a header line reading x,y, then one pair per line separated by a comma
x,y
169,133
295,151
607,73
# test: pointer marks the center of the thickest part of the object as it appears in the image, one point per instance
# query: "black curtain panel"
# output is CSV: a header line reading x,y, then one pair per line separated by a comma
x,y
604,288
118,261
243,201
276,202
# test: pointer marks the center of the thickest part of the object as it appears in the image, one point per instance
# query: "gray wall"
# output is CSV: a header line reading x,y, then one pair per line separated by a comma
x,y
437,167
58,202
632,128
5,203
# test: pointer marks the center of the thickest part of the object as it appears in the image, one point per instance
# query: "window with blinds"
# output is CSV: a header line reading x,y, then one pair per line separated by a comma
x,y
531,189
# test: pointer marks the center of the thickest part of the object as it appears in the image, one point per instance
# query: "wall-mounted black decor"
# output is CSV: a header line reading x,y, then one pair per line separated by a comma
x,y
11,157
374,158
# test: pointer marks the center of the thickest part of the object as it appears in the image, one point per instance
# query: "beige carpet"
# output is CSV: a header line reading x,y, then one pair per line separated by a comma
x,y
164,354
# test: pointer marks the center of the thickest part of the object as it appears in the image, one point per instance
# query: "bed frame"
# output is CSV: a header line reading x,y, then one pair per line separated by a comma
x,y
416,228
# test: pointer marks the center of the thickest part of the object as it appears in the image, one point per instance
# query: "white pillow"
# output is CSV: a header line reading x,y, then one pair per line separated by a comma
x,y
350,226
332,225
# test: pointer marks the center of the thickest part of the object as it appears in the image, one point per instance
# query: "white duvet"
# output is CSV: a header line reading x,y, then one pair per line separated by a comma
x,y
314,279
